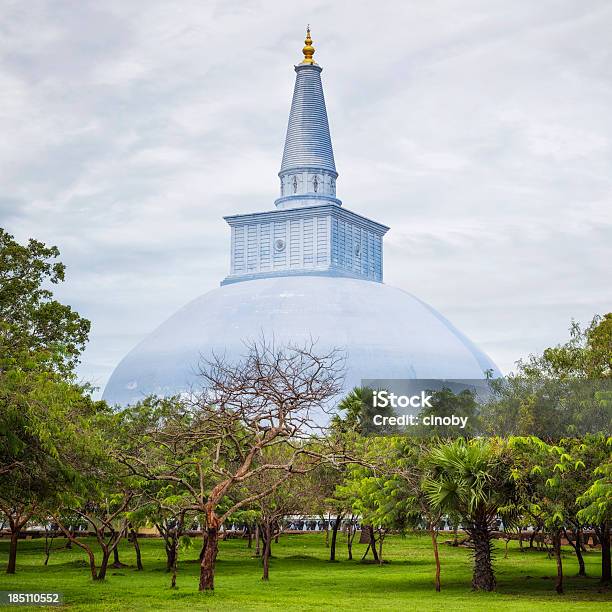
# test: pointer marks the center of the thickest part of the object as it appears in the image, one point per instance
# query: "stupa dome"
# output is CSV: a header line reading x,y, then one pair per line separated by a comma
x,y
386,332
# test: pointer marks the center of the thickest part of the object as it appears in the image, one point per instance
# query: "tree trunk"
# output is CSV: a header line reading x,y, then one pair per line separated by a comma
x,y
116,561
92,565
434,543
335,527
207,567
483,578
603,533
48,546
352,532
575,543
250,536
269,540
532,537
72,538
373,541
257,541
171,553
266,552
174,563
103,566
556,538
176,539
583,547
204,537
137,549
326,525
12,560
92,562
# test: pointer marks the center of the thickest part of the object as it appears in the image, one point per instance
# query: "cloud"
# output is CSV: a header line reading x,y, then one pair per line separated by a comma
x,y
479,132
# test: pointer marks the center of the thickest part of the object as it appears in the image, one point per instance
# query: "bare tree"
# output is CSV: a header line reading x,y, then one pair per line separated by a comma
x,y
212,441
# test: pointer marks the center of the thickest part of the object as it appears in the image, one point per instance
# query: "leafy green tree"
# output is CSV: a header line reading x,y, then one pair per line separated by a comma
x,y
45,425
106,514
552,478
166,506
539,468
249,521
31,321
566,391
596,510
322,485
104,494
364,488
387,487
473,479
274,502
587,354
42,411
409,469
163,504
588,454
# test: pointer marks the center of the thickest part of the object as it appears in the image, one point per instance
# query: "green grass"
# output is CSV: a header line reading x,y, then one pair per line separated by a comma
x,y
301,578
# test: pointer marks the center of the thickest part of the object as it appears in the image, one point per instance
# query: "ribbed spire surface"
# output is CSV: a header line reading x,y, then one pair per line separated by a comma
x,y
308,143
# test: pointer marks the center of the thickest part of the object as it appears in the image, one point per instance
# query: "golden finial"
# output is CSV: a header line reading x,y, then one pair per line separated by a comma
x,y
308,49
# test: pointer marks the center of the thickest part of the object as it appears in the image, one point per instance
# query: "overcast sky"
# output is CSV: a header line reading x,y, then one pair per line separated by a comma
x,y
480,131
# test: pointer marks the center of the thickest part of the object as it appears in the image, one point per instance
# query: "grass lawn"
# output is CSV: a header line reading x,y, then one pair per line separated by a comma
x,y
302,579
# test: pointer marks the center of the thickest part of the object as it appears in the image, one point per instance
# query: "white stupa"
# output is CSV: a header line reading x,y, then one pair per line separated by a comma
x,y
308,269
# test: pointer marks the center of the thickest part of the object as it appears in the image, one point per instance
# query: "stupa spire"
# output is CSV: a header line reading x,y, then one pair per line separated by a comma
x,y
308,49
308,171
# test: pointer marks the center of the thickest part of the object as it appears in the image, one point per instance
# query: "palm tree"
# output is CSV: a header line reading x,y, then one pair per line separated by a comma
x,y
358,414
473,480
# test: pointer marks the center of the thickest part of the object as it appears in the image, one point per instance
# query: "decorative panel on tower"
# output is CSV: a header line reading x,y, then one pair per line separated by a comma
x,y
356,249
323,239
